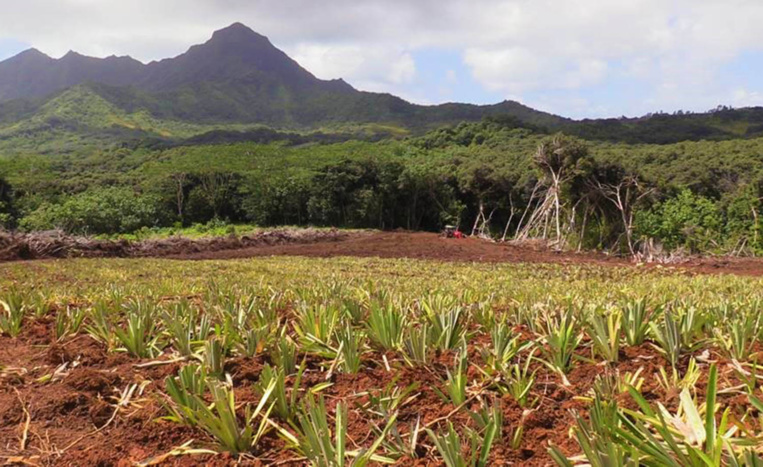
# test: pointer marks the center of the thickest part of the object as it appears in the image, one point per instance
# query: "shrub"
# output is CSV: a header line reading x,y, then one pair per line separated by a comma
x,y
688,220
96,211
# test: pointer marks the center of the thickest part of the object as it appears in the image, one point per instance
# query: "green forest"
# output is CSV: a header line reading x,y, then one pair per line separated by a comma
x,y
491,177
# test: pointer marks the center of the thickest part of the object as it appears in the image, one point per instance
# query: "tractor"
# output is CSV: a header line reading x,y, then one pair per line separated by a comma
x,y
451,231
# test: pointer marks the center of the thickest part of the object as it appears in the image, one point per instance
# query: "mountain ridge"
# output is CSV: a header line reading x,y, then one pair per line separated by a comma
x,y
238,79
237,75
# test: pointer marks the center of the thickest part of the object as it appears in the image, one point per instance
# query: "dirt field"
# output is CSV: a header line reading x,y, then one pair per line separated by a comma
x,y
73,422
331,243
425,245
60,398
400,244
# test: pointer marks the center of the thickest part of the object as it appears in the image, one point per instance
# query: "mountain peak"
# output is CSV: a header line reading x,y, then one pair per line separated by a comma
x,y
72,55
237,32
32,54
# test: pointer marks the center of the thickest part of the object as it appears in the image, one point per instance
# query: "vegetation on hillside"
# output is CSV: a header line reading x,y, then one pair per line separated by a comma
x,y
700,196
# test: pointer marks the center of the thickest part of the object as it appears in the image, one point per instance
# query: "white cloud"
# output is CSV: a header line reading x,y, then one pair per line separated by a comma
x,y
516,70
512,69
512,47
371,68
744,98
403,69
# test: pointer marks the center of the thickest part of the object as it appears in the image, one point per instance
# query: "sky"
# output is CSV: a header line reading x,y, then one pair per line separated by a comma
x,y
576,58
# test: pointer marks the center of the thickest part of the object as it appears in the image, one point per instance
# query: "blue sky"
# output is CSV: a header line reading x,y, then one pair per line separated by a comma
x,y
442,76
577,58
10,47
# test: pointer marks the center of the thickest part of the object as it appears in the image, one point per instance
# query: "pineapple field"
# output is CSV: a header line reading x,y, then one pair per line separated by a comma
x,y
294,360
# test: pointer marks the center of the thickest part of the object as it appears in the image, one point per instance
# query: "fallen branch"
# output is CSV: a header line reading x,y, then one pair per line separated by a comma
x,y
182,450
27,421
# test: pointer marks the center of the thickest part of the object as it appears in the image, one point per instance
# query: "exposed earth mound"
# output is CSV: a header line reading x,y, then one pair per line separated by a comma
x,y
55,244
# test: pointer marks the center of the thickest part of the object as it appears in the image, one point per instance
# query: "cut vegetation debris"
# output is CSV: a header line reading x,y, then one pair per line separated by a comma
x,y
56,244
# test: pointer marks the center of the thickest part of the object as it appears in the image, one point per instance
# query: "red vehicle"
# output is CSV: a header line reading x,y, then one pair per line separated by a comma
x,y
452,231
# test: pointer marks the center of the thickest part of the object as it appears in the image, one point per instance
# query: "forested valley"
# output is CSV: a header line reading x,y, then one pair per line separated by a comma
x,y
491,178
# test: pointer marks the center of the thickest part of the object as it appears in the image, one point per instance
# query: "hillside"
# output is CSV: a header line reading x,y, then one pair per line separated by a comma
x,y
238,81
237,77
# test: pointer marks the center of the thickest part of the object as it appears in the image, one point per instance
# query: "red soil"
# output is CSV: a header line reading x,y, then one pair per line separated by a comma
x,y
424,245
71,419
331,243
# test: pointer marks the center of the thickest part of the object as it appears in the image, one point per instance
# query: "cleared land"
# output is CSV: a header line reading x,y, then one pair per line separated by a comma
x,y
336,243
85,381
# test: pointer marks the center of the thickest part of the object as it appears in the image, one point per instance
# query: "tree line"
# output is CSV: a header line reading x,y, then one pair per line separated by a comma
x,y
488,178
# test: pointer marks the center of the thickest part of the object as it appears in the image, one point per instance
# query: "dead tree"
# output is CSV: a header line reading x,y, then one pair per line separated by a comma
x,y
527,209
180,180
624,195
480,215
557,160
482,223
484,228
511,217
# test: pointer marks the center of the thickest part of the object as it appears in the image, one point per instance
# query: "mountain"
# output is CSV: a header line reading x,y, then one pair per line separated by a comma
x,y
236,54
238,81
34,74
237,76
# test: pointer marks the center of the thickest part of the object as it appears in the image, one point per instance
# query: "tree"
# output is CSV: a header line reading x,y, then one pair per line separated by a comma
x,y
97,211
179,179
687,220
7,213
624,190
559,161
218,189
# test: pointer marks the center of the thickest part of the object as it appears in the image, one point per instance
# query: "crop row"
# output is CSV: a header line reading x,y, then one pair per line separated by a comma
x,y
494,351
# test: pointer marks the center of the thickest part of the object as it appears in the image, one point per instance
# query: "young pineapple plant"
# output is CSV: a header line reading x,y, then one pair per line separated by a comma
x,y
473,450
284,353
139,335
255,340
447,321
518,381
222,423
691,436
316,327
219,419
604,329
562,337
448,328
386,401
635,321
285,400
321,449
506,345
12,313
350,348
386,325
214,358
456,382
100,324
737,332
187,328
39,303
68,322
668,334
185,392
416,346
597,438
